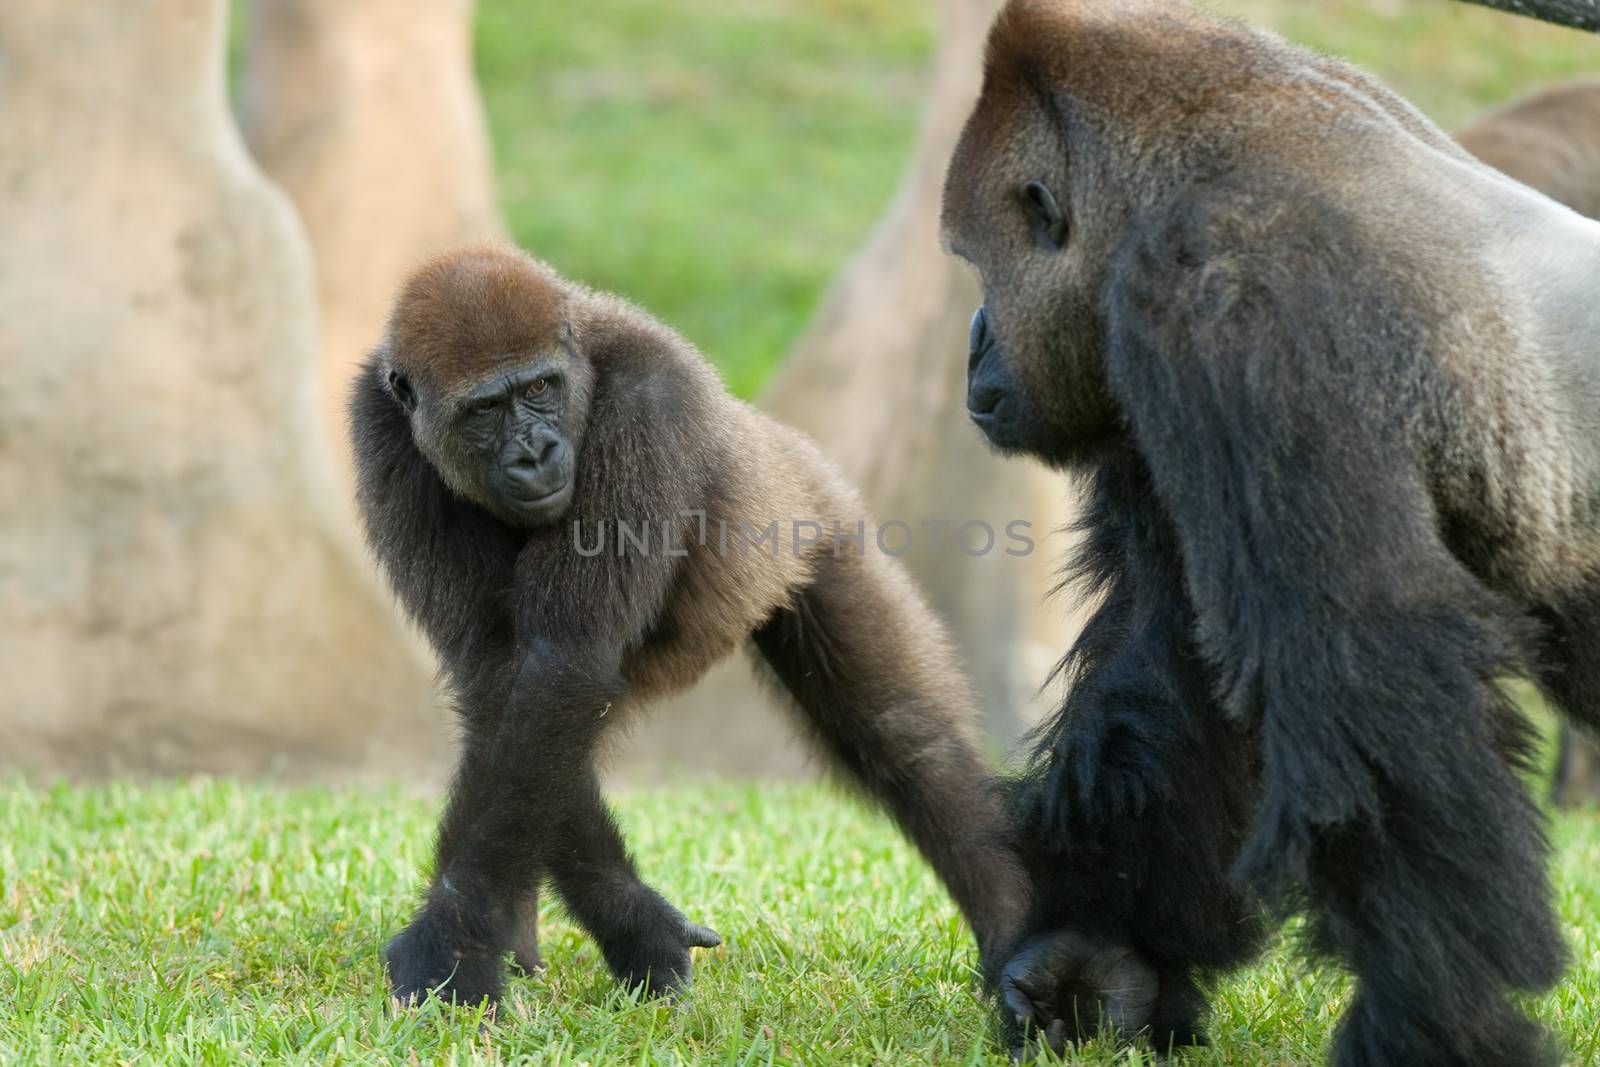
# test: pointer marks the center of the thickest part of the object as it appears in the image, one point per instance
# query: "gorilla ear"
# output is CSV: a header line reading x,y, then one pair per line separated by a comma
x,y
1045,217
401,387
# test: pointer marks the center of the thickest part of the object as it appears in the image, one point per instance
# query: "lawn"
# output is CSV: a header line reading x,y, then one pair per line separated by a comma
x,y
216,923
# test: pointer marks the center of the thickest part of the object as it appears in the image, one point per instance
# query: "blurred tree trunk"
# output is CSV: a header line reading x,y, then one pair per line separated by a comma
x,y
172,597
880,382
367,113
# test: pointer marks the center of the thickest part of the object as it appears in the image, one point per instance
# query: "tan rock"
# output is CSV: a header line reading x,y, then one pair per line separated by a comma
x,y
171,596
367,113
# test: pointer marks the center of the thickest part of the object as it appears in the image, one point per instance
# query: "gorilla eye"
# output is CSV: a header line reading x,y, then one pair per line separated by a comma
x,y
1045,217
536,386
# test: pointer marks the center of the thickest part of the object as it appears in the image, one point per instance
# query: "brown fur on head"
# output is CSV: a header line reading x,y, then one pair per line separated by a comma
x,y
473,311
480,353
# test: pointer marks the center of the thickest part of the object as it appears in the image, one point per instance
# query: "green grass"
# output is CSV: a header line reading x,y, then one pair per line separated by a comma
x,y
212,922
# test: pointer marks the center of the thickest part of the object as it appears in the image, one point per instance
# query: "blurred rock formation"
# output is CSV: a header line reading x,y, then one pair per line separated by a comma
x,y
173,596
880,382
367,113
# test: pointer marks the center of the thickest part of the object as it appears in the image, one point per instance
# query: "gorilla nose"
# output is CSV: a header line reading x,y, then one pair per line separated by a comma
x,y
532,456
530,468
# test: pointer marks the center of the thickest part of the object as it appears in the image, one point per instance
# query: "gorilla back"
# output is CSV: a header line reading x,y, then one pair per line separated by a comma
x,y
1334,386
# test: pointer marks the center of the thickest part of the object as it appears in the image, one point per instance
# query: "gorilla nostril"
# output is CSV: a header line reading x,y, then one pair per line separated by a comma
x,y
545,450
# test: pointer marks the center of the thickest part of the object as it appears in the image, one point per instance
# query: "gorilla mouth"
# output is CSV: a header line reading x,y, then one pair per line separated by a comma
x,y
988,415
543,498
537,509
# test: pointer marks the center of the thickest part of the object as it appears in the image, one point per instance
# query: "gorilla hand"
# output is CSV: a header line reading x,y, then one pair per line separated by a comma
x,y
1067,986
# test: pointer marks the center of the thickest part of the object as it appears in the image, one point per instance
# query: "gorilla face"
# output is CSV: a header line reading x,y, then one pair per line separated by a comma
x,y
481,356
507,442
1035,376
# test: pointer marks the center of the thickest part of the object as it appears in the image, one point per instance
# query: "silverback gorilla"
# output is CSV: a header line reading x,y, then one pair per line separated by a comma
x,y
508,431
1333,387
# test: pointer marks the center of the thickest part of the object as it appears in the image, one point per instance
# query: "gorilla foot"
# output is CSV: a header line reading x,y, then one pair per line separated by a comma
x,y
431,957
1064,987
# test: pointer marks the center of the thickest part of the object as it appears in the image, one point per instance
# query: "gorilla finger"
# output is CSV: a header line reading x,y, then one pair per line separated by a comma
x,y
1056,1036
703,937
1018,1002
1047,963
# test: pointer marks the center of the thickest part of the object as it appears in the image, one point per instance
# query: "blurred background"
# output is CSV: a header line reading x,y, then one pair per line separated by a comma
x,y
205,208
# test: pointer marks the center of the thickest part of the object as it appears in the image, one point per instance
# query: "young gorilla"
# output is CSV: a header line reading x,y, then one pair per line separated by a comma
x,y
1334,389
1550,141
505,428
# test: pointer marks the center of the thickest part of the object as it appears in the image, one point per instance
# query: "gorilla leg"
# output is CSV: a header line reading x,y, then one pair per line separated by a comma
x,y
508,793
645,940
877,689
480,721
524,806
1416,846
